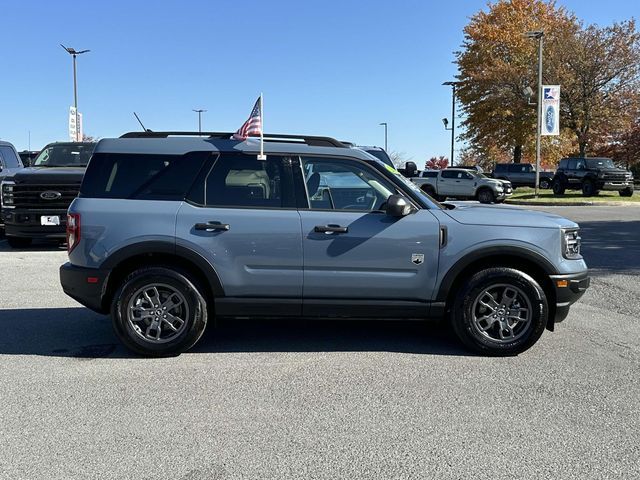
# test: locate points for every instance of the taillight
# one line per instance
(73, 230)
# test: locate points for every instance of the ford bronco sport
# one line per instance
(172, 230)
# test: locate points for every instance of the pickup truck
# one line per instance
(521, 175)
(462, 184)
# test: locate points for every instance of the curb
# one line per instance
(573, 204)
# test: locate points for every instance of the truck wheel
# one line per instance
(485, 195)
(627, 192)
(588, 188)
(544, 183)
(159, 311)
(499, 311)
(558, 187)
(19, 242)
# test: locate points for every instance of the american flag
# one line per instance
(253, 126)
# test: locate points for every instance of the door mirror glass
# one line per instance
(398, 206)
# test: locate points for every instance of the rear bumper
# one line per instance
(85, 285)
(568, 289)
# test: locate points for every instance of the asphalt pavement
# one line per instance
(293, 399)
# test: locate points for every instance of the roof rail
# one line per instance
(310, 140)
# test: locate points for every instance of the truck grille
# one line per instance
(31, 196)
(615, 177)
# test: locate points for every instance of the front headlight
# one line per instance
(571, 243)
(6, 197)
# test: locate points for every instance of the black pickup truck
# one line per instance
(35, 200)
(521, 175)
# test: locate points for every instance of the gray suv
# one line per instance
(170, 231)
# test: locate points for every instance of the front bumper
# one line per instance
(85, 285)
(568, 289)
(616, 186)
(27, 223)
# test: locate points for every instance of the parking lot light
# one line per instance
(74, 53)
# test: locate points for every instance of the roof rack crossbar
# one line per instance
(310, 140)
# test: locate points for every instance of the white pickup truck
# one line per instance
(463, 184)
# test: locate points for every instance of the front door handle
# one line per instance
(330, 229)
(211, 226)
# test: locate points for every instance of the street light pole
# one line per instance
(453, 116)
(199, 112)
(385, 136)
(538, 35)
(74, 54)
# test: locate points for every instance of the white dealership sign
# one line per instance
(551, 110)
(75, 131)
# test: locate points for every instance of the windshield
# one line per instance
(65, 155)
(600, 163)
(381, 155)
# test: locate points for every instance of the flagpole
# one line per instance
(262, 156)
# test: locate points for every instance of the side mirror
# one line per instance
(398, 206)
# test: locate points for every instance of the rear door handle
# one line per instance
(330, 229)
(212, 226)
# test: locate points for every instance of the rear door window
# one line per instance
(240, 180)
(141, 177)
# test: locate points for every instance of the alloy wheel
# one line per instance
(502, 313)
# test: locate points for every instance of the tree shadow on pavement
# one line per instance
(82, 334)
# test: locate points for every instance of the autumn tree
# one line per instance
(497, 62)
(437, 163)
(599, 72)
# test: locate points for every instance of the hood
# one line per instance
(46, 175)
(507, 217)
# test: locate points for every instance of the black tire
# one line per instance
(588, 188)
(627, 192)
(545, 183)
(467, 301)
(486, 195)
(19, 242)
(558, 187)
(195, 310)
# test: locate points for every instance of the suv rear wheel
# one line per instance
(500, 311)
(159, 311)
(589, 188)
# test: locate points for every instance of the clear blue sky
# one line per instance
(335, 68)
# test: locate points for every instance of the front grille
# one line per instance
(615, 177)
(28, 196)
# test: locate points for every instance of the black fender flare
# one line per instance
(151, 247)
(512, 251)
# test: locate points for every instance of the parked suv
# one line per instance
(591, 175)
(35, 199)
(168, 232)
(521, 175)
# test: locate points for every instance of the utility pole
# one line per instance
(539, 35)
(74, 54)
(199, 112)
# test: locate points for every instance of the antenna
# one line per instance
(140, 122)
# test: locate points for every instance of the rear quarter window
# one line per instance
(142, 177)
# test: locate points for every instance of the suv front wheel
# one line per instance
(500, 311)
(486, 195)
(159, 311)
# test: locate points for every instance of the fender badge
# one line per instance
(417, 258)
